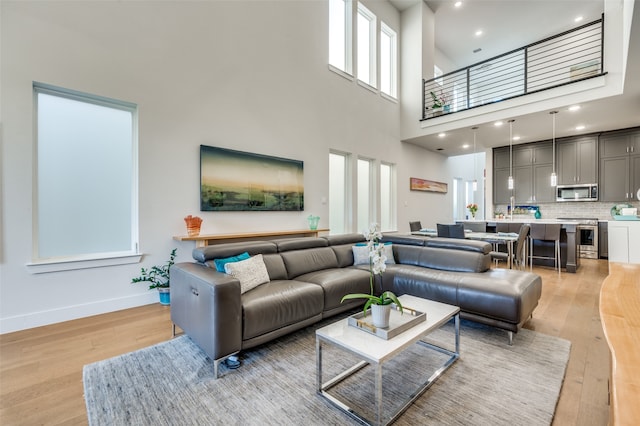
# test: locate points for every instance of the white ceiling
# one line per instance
(510, 24)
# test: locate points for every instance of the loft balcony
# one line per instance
(567, 58)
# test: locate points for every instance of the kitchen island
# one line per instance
(569, 239)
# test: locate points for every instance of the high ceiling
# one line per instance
(510, 24)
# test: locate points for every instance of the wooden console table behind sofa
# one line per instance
(207, 240)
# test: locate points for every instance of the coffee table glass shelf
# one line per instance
(374, 352)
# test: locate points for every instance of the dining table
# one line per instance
(495, 238)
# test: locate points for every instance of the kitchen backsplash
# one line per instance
(581, 209)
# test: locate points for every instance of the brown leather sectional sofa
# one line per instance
(309, 276)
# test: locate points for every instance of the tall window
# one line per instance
(388, 60)
(365, 198)
(86, 175)
(338, 190)
(366, 46)
(387, 198)
(340, 24)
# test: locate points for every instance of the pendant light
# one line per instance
(510, 181)
(554, 177)
(475, 178)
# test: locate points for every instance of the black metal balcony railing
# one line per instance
(565, 58)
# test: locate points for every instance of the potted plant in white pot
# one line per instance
(380, 305)
(159, 277)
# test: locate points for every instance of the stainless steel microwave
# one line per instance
(587, 192)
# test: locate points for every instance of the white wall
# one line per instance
(251, 76)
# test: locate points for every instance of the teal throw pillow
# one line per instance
(232, 259)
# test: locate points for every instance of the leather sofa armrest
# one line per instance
(206, 304)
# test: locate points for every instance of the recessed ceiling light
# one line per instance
(578, 19)
(478, 33)
(442, 135)
(580, 127)
(574, 107)
(465, 146)
(498, 123)
(516, 138)
(458, 4)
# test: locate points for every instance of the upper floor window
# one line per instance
(366, 46)
(86, 184)
(388, 60)
(340, 52)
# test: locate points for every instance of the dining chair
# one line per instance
(415, 226)
(450, 230)
(546, 232)
(519, 256)
(475, 226)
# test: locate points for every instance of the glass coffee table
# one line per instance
(376, 351)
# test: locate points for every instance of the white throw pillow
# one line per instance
(388, 251)
(361, 254)
(251, 272)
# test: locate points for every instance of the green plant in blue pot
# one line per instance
(159, 277)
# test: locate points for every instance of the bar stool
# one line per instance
(546, 232)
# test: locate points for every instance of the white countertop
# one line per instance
(525, 220)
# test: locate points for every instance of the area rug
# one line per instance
(172, 383)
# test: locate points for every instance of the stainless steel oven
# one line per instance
(587, 231)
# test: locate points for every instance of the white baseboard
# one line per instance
(38, 319)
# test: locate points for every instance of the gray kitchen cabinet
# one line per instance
(619, 166)
(533, 172)
(523, 184)
(501, 158)
(501, 192)
(532, 166)
(577, 160)
(532, 184)
(543, 192)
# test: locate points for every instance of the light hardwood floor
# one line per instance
(41, 369)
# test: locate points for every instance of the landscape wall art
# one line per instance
(240, 181)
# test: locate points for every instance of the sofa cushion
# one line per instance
(205, 254)
(337, 282)
(289, 244)
(459, 244)
(409, 240)
(300, 262)
(443, 259)
(251, 272)
(502, 294)
(277, 304)
(275, 266)
(441, 286)
(343, 239)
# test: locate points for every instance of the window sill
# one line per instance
(388, 97)
(367, 86)
(340, 72)
(81, 262)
